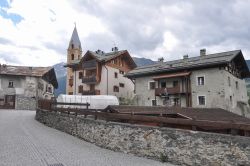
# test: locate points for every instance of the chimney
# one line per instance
(203, 52)
(185, 56)
(115, 49)
(161, 59)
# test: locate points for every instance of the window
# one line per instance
(237, 84)
(151, 85)
(175, 83)
(11, 84)
(201, 100)
(80, 75)
(48, 89)
(231, 99)
(121, 72)
(163, 84)
(229, 81)
(176, 101)
(72, 46)
(116, 89)
(116, 75)
(200, 80)
(154, 102)
(121, 85)
(70, 93)
(72, 56)
(80, 89)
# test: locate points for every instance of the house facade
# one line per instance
(98, 73)
(206, 81)
(21, 86)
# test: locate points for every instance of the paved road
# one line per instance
(26, 142)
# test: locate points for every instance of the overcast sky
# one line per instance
(37, 32)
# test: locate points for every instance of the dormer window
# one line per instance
(72, 56)
(72, 46)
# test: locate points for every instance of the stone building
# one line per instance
(209, 81)
(98, 73)
(21, 86)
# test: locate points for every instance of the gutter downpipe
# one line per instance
(107, 79)
(75, 82)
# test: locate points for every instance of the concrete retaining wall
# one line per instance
(172, 145)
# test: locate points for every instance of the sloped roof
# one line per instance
(209, 114)
(189, 63)
(102, 56)
(75, 39)
(30, 71)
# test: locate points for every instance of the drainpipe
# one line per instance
(107, 79)
(75, 82)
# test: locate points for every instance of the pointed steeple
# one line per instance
(75, 41)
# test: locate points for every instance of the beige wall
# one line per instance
(216, 91)
(26, 86)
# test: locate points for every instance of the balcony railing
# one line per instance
(91, 64)
(91, 92)
(89, 79)
(164, 91)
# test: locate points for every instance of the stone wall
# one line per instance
(176, 146)
(25, 103)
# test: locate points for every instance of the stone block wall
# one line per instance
(176, 146)
(25, 103)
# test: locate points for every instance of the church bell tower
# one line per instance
(74, 55)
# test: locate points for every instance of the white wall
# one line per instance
(125, 92)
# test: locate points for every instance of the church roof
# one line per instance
(75, 39)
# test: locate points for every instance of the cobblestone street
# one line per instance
(26, 142)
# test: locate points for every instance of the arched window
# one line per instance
(72, 46)
(72, 56)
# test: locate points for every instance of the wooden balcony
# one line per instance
(173, 90)
(88, 65)
(89, 92)
(89, 79)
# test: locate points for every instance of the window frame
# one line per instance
(237, 85)
(116, 75)
(152, 102)
(229, 81)
(149, 85)
(122, 85)
(11, 84)
(197, 80)
(176, 85)
(114, 87)
(198, 102)
(80, 75)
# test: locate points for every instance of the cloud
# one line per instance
(141, 26)
(5, 41)
(151, 29)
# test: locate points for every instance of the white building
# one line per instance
(208, 81)
(98, 73)
(21, 86)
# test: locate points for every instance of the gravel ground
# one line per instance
(26, 142)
